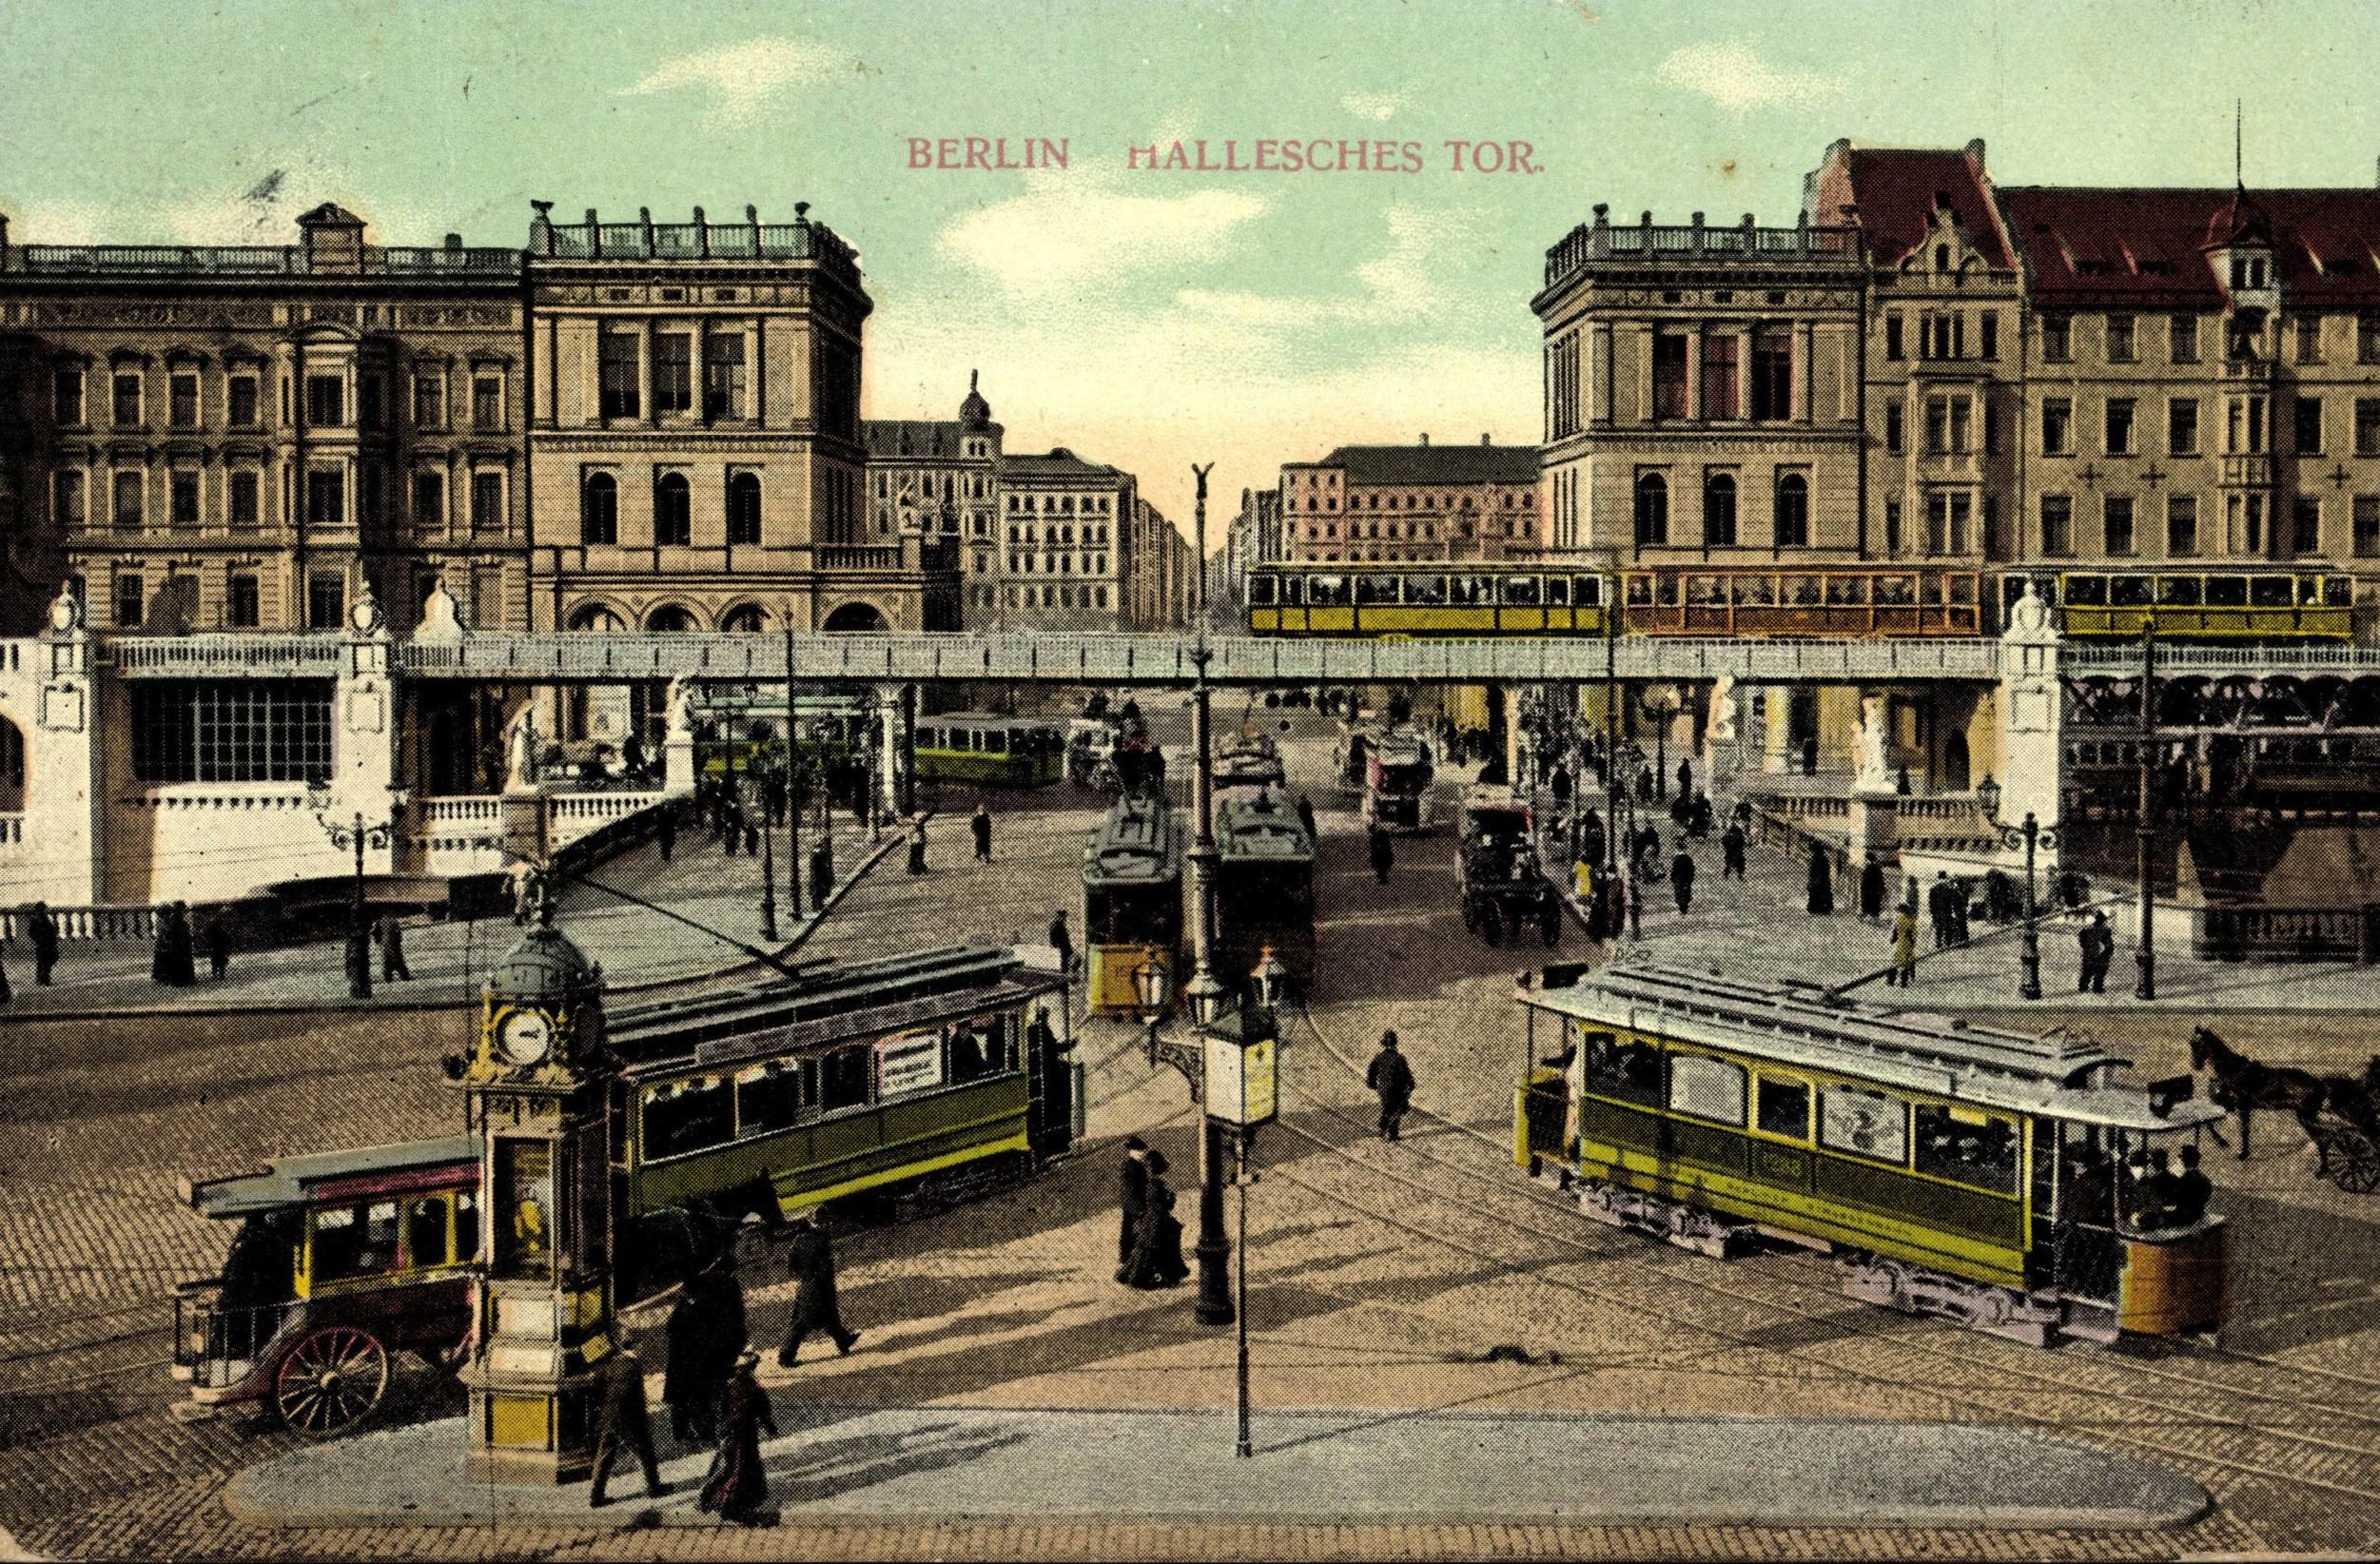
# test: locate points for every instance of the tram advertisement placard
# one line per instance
(911, 1062)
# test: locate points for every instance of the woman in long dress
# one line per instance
(738, 1484)
(1157, 1254)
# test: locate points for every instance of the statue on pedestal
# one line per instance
(1875, 776)
(520, 753)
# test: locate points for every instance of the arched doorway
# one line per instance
(856, 620)
(12, 767)
(1957, 772)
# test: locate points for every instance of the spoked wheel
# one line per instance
(2354, 1162)
(331, 1377)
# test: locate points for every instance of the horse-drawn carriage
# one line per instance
(2340, 1114)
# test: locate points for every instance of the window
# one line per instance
(2309, 339)
(2306, 528)
(1947, 513)
(131, 595)
(1668, 370)
(1722, 395)
(2115, 518)
(1793, 511)
(1561, 389)
(599, 509)
(325, 497)
(1893, 347)
(2366, 526)
(1967, 1146)
(2182, 525)
(770, 1096)
(2309, 415)
(1719, 511)
(743, 506)
(326, 401)
(1866, 1124)
(182, 499)
(130, 499)
(723, 375)
(2058, 525)
(1893, 437)
(1991, 427)
(673, 514)
(66, 395)
(369, 401)
(683, 1116)
(230, 730)
(429, 400)
(2182, 426)
(128, 408)
(1948, 429)
(2367, 338)
(2057, 426)
(429, 500)
(1652, 509)
(240, 397)
(1784, 1107)
(2247, 426)
(325, 601)
(2058, 343)
(487, 500)
(65, 499)
(1772, 374)
(487, 401)
(2368, 425)
(2181, 339)
(2119, 423)
(181, 400)
(672, 373)
(1630, 1071)
(241, 608)
(1943, 337)
(1707, 1088)
(2247, 521)
(1892, 526)
(1987, 329)
(619, 370)
(2122, 347)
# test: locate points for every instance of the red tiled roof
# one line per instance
(1898, 187)
(2091, 245)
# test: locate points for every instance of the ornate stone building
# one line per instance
(1384, 503)
(1067, 525)
(937, 480)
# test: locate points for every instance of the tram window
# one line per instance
(2177, 590)
(1586, 591)
(1756, 591)
(1960, 590)
(1426, 591)
(355, 1240)
(1895, 591)
(966, 1053)
(1521, 590)
(1867, 1124)
(2086, 591)
(2337, 590)
(999, 1052)
(466, 1226)
(1967, 1146)
(2130, 592)
(2269, 592)
(1784, 1107)
(1630, 1071)
(425, 1234)
(1293, 591)
(1375, 589)
(992, 741)
(1808, 592)
(1665, 591)
(1708, 1089)
(2227, 591)
(688, 1116)
(769, 1098)
(1260, 591)
(929, 738)
(1327, 590)
(1473, 591)
(1557, 592)
(1640, 591)
(1704, 591)
(843, 1081)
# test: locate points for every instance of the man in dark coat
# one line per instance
(665, 831)
(1938, 899)
(821, 875)
(1820, 897)
(1305, 817)
(42, 928)
(738, 1484)
(1731, 853)
(980, 823)
(1560, 784)
(391, 935)
(1132, 1197)
(731, 829)
(1682, 880)
(1383, 854)
(1872, 891)
(706, 1330)
(811, 1262)
(623, 1424)
(2098, 950)
(1062, 941)
(1392, 1079)
(218, 942)
(917, 846)
(1685, 779)
(1592, 840)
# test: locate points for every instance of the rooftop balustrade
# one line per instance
(1746, 242)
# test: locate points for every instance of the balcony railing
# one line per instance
(256, 259)
(1747, 241)
(701, 240)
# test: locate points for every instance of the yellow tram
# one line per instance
(1131, 902)
(2206, 605)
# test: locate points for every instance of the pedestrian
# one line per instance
(1685, 779)
(1872, 889)
(623, 1422)
(2098, 951)
(218, 943)
(1383, 854)
(1635, 905)
(1132, 1200)
(1560, 785)
(1645, 785)
(752, 839)
(917, 846)
(172, 962)
(1156, 1260)
(1305, 818)
(821, 875)
(665, 831)
(1392, 1079)
(1809, 758)
(1903, 947)
(1820, 898)
(1698, 819)
(1592, 839)
(1938, 897)
(1731, 853)
(633, 757)
(737, 1485)
(43, 929)
(1682, 880)
(390, 933)
(2192, 1190)
(980, 823)
(706, 1330)
(1062, 941)
(811, 1262)
(1958, 912)
(731, 829)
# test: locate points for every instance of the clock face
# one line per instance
(525, 1036)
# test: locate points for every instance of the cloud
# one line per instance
(1397, 286)
(1373, 105)
(258, 204)
(1066, 232)
(742, 78)
(1734, 75)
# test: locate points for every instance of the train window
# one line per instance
(1586, 591)
(466, 1226)
(767, 1097)
(1557, 592)
(1260, 591)
(2227, 591)
(1960, 590)
(1375, 589)
(1895, 591)
(1472, 591)
(2337, 590)
(2177, 590)
(1784, 1107)
(2130, 592)
(1665, 591)
(683, 1116)
(992, 741)
(1640, 591)
(2086, 591)
(1630, 1071)
(1521, 590)
(1810, 591)
(1326, 591)
(1756, 591)
(1852, 591)
(1704, 591)
(1866, 1124)
(2269, 591)
(425, 1234)
(843, 1079)
(1967, 1146)
(1708, 1089)
(1426, 591)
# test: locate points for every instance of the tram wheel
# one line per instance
(330, 1379)
(2354, 1162)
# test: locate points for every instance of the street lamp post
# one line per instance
(1661, 702)
(2146, 826)
(357, 834)
(1153, 985)
(2030, 832)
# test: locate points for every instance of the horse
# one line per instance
(2243, 1085)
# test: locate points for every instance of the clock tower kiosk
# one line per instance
(538, 1089)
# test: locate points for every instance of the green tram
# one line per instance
(2208, 603)
(983, 749)
(1977, 1174)
(1264, 886)
(1423, 601)
(917, 1077)
(1131, 902)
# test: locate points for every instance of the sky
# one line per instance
(1151, 318)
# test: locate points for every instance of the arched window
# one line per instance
(748, 621)
(1793, 511)
(599, 509)
(596, 620)
(673, 510)
(1719, 511)
(1652, 509)
(743, 506)
(671, 621)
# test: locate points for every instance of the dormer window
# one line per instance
(2249, 271)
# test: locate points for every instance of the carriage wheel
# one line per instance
(1492, 924)
(2354, 1162)
(329, 1379)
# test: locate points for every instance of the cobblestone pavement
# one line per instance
(1426, 1275)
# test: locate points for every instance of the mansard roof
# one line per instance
(891, 438)
(1898, 189)
(1435, 464)
(2105, 246)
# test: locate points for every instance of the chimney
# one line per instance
(1484, 441)
(1425, 437)
(1975, 156)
